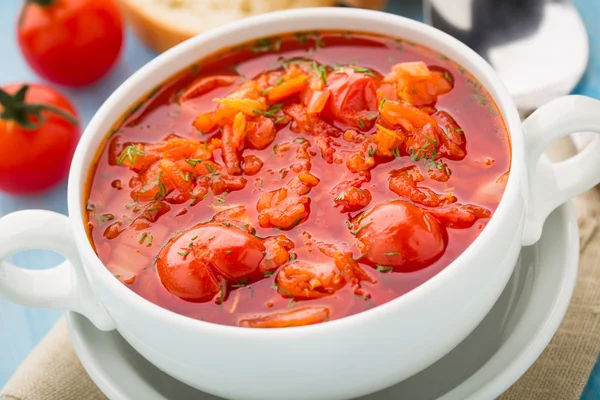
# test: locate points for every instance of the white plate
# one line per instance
(484, 365)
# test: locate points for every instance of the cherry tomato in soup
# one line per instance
(400, 235)
(70, 42)
(38, 135)
(195, 264)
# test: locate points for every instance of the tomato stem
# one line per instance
(41, 3)
(28, 115)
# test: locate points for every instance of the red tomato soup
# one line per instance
(297, 179)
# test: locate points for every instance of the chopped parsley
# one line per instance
(265, 45)
(241, 283)
(382, 102)
(304, 37)
(363, 70)
(360, 218)
(360, 257)
(271, 112)
(360, 228)
(142, 238)
(384, 268)
(103, 218)
(193, 161)
(221, 198)
(147, 237)
(185, 177)
(130, 153)
(372, 151)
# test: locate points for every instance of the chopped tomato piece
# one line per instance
(309, 123)
(150, 215)
(358, 161)
(454, 143)
(151, 185)
(326, 147)
(459, 215)
(404, 181)
(308, 178)
(277, 252)
(285, 215)
(230, 214)
(302, 280)
(351, 271)
(136, 156)
(277, 209)
(251, 164)
(353, 199)
(261, 132)
(353, 98)
(176, 177)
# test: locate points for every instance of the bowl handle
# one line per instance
(62, 287)
(552, 184)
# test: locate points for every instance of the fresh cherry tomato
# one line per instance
(70, 42)
(38, 135)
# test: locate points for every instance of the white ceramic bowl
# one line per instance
(344, 358)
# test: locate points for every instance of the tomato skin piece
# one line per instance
(71, 42)
(32, 161)
(400, 235)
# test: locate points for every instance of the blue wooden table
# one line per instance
(22, 328)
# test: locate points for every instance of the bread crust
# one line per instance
(160, 35)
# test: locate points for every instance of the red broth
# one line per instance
(334, 173)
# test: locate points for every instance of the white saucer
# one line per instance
(484, 365)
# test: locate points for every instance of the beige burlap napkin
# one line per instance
(53, 372)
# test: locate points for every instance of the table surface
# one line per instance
(22, 328)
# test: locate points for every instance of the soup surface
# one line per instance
(297, 179)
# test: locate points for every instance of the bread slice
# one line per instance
(162, 24)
